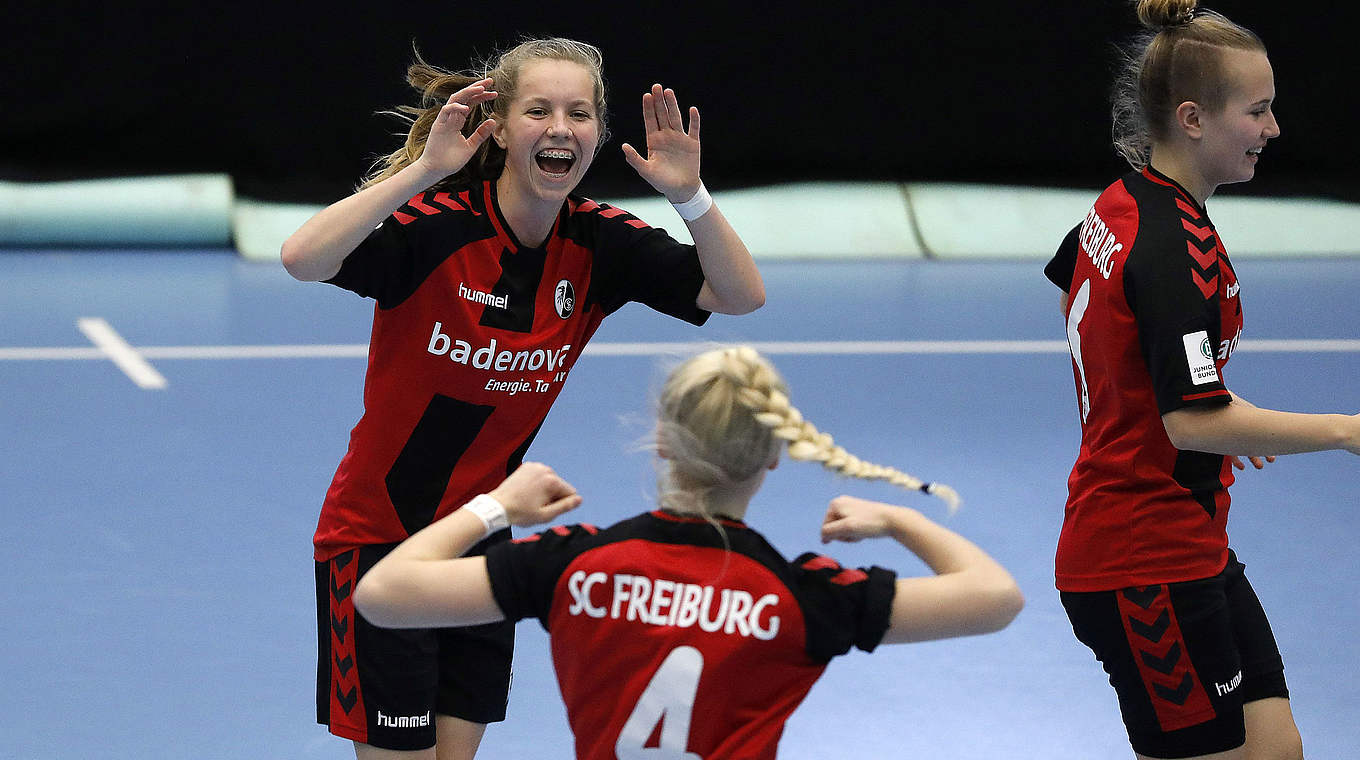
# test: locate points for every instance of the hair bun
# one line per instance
(1160, 14)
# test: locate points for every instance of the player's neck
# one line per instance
(709, 502)
(530, 217)
(1178, 163)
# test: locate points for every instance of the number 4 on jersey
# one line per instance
(1074, 315)
(669, 700)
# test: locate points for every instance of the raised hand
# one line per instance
(534, 494)
(849, 519)
(672, 162)
(447, 150)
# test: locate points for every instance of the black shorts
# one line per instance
(384, 686)
(1183, 658)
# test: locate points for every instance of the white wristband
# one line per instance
(695, 207)
(489, 511)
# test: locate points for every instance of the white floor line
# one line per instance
(360, 350)
(117, 350)
(297, 351)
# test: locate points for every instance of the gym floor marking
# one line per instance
(112, 345)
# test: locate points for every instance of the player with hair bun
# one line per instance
(685, 616)
(489, 275)
(1154, 312)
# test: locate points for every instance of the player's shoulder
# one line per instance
(586, 214)
(453, 207)
(1174, 234)
(560, 535)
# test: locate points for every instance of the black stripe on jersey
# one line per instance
(517, 456)
(521, 273)
(1199, 473)
(420, 476)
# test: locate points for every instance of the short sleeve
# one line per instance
(1178, 326)
(637, 262)
(1064, 262)
(524, 572)
(843, 607)
(399, 254)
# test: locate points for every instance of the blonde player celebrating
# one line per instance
(1154, 312)
(685, 616)
(490, 275)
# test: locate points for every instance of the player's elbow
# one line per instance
(1009, 604)
(295, 260)
(752, 300)
(737, 302)
(374, 598)
(1001, 603)
(305, 261)
(294, 257)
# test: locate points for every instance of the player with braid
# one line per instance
(686, 616)
(772, 409)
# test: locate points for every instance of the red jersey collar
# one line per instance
(670, 516)
(1153, 175)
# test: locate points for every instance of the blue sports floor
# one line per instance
(156, 543)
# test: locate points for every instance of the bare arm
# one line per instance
(970, 593)
(320, 245)
(732, 283)
(426, 582)
(1239, 428)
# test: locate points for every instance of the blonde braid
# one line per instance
(771, 407)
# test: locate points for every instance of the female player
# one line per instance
(1153, 314)
(489, 277)
(685, 616)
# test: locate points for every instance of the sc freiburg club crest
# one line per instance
(564, 298)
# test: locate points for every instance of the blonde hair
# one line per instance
(435, 85)
(1178, 58)
(723, 416)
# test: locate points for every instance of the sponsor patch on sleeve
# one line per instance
(1199, 354)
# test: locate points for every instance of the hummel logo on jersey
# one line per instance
(564, 298)
(1233, 683)
(485, 299)
(403, 721)
(487, 357)
(1232, 290)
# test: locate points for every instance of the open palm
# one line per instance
(672, 162)
(447, 150)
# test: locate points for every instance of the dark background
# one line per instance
(284, 96)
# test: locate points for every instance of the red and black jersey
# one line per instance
(664, 637)
(473, 336)
(1153, 315)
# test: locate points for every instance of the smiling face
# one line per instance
(549, 133)
(1234, 135)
